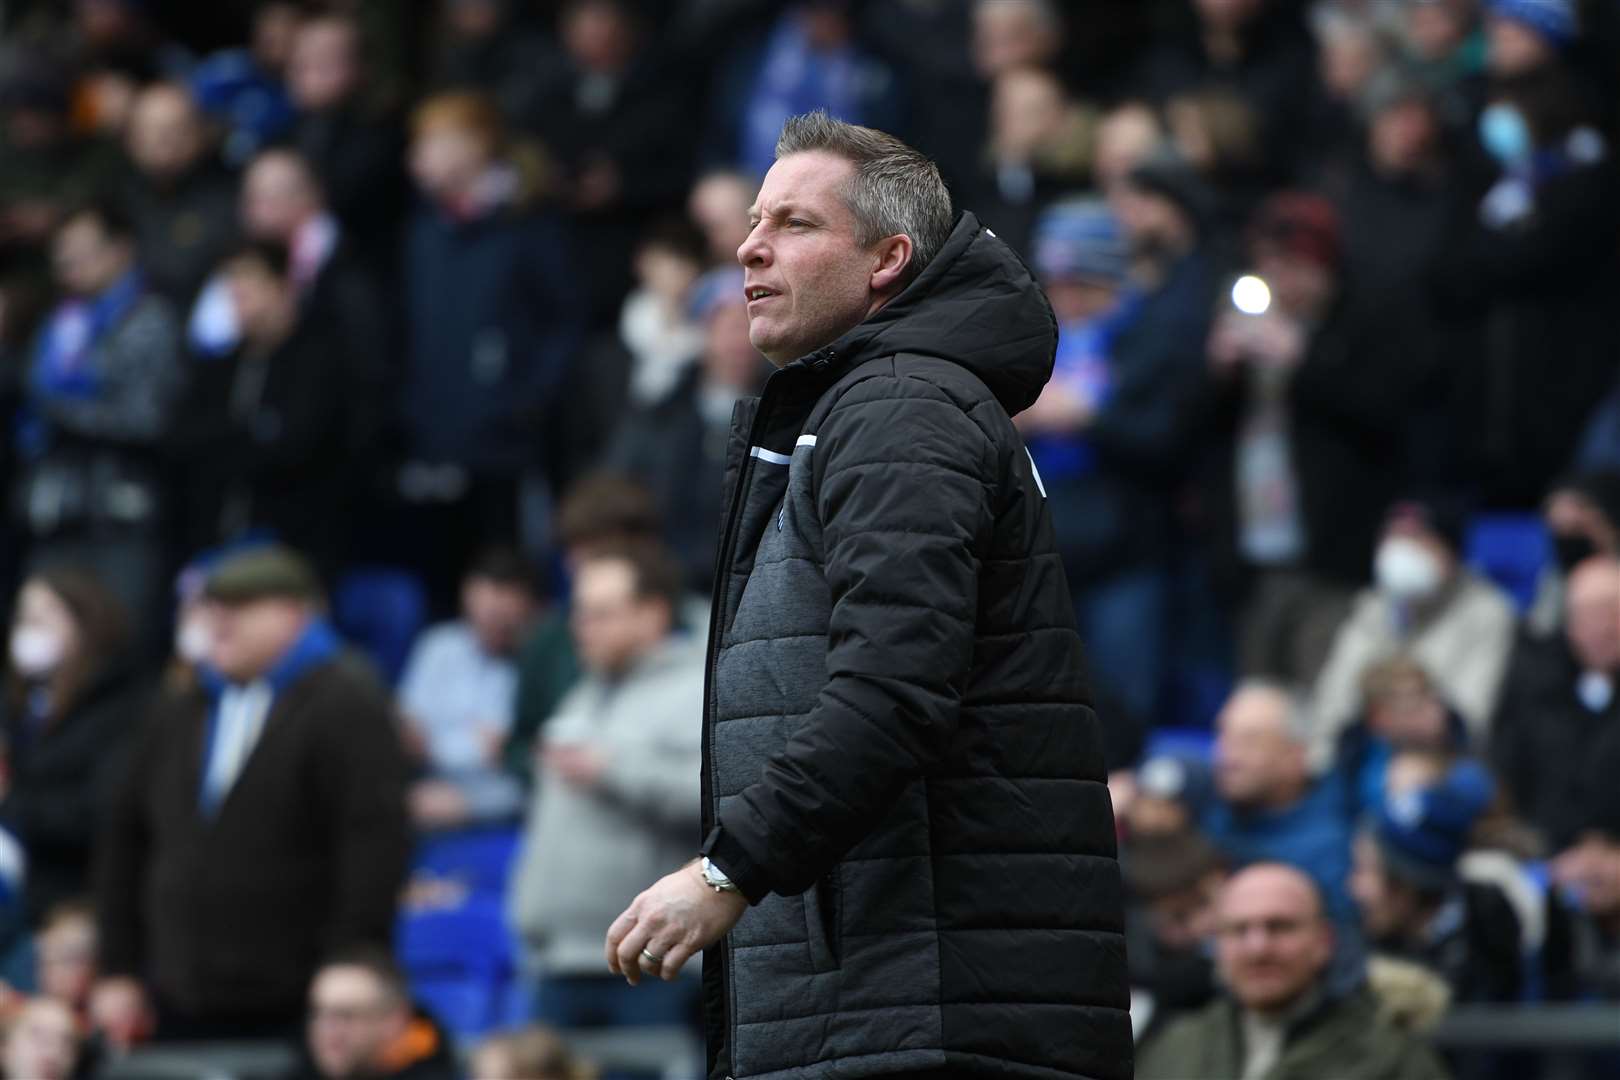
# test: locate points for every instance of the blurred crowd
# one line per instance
(366, 371)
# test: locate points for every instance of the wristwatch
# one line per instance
(715, 878)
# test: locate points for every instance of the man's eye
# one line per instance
(795, 223)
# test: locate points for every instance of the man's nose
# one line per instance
(753, 251)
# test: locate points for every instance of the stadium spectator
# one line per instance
(100, 389)
(42, 1042)
(65, 956)
(656, 323)
(604, 510)
(1168, 795)
(719, 205)
(1128, 135)
(1351, 51)
(244, 90)
(262, 432)
(72, 696)
(1528, 35)
(48, 168)
(1267, 806)
(225, 876)
(1281, 1011)
(1413, 902)
(1527, 274)
(1175, 882)
(1009, 35)
(353, 143)
(493, 323)
(180, 198)
(1107, 433)
(1038, 147)
(1402, 711)
(530, 1053)
(458, 693)
(1582, 516)
(362, 1024)
(1307, 386)
(807, 59)
(487, 46)
(1560, 697)
(282, 203)
(677, 448)
(618, 125)
(1590, 871)
(1426, 604)
(617, 797)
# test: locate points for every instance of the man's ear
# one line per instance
(894, 256)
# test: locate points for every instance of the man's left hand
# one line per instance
(676, 918)
(578, 764)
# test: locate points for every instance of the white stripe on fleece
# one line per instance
(806, 440)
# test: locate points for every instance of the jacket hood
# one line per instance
(976, 304)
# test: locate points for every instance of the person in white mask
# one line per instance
(69, 707)
(1426, 604)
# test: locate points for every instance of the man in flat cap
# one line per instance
(261, 825)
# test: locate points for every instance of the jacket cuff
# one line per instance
(732, 860)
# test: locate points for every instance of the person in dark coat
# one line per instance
(362, 1023)
(1305, 413)
(260, 828)
(1560, 698)
(181, 199)
(70, 710)
(894, 670)
(494, 320)
(264, 431)
(355, 145)
(1525, 290)
(1413, 903)
(677, 448)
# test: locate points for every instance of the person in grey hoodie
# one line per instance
(617, 790)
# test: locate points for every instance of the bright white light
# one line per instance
(1251, 296)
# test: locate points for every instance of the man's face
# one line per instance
(1026, 111)
(1402, 136)
(446, 160)
(1515, 49)
(44, 1043)
(1226, 14)
(1273, 942)
(325, 68)
(67, 961)
(276, 198)
(250, 637)
(165, 133)
(613, 628)
(719, 205)
(1255, 757)
(86, 260)
(1009, 34)
(1592, 614)
(498, 612)
(263, 302)
(1436, 30)
(802, 250)
(351, 1020)
(729, 357)
(1302, 286)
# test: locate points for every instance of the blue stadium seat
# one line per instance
(460, 963)
(464, 1006)
(381, 609)
(480, 858)
(1193, 743)
(1510, 549)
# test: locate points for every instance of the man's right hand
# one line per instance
(120, 1011)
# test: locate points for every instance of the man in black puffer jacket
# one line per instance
(909, 838)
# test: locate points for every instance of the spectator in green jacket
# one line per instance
(1281, 1015)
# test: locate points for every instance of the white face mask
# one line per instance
(1406, 570)
(192, 641)
(35, 651)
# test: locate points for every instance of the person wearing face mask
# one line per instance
(1524, 290)
(1582, 517)
(1560, 696)
(70, 703)
(1426, 604)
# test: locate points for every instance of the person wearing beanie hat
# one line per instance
(1110, 408)
(1526, 35)
(1426, 604)
(1414, 904)
(277, 778)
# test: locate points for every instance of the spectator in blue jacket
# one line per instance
(1267, 805)
(492, 324)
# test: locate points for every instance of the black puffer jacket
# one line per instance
(900, 764)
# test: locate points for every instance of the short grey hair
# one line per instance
(895, 189)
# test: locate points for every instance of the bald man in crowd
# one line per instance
(1268, 805)
(1282, 1012)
